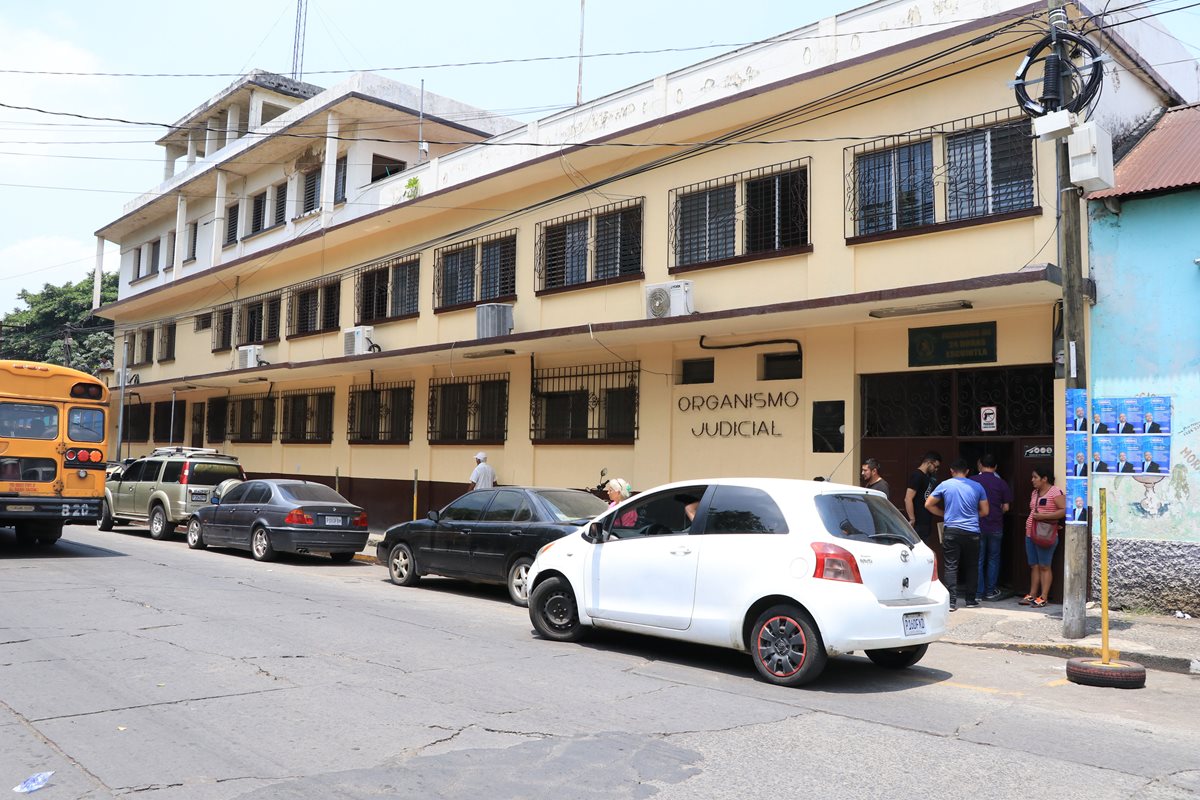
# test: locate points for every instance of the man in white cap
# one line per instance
(483, 476)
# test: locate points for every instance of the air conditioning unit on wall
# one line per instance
(249, 356)
(493, 319)
(672, 299)
(359, 340)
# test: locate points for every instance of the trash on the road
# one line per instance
(120, 727)
(1182, 615)
(33, 782)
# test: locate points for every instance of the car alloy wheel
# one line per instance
(195, 535)
(160, 528)
(260, 545)
(553, 611)
(402, 567)
(518, 577)
(786, 646)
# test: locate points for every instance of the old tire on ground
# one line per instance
(260, 545)
(1091, 671)
(195, 534)
(518, 575)
(786, 646)
(160, 526)
(106, 519)
(402, 566)
(342, 558)
(553, 611)
(898, 657)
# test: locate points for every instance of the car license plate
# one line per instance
(333, 521)
(198, 495)
(914, 624)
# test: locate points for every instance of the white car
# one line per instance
(790, 571)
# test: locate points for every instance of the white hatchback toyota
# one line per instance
(791, 571)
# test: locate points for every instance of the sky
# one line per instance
(62, 178)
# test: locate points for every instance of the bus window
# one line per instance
(85, 425)
(28, 421)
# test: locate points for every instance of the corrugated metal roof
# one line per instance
(1167, 158)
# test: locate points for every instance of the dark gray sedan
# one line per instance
(271, 516)
(488, 535)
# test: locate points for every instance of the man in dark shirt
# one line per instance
(991, 527)
(872, 479)
(920, 485)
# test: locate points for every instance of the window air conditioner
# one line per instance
(359, 341)
(493, 319)
(672, 299)
(249, 356)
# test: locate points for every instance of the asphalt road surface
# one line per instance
(130, 666)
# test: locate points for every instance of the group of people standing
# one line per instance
(972, 508)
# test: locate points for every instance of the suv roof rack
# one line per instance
(207, 452)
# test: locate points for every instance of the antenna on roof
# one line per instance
(579, 83)
(298, 41)
(422, 145)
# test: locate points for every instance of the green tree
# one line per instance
(59, 318)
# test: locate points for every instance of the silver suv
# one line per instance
(165, 488)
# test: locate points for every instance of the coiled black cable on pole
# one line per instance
(1050, 99)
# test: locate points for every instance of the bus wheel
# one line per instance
(49, 533)
(106, 519)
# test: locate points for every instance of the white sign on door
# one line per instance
(988, 419)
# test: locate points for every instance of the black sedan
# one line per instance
(271, 516)
(488, 535)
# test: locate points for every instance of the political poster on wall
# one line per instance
(1077, 500)
(1126, 415)
(1077, 419)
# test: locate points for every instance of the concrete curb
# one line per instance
(1164, 663)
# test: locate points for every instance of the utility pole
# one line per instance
(1070, 259)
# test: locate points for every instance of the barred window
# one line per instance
(203, 321)
(382, 412)
(222, 328)
(258, 212)
(232, 214)
(216, 419)
(472, 409)
(476, 271)
(986, 167)
(170, 250)
(280, 203)
(596, 403)
(166, 341)
(339, 180)
(258, 319)
(772, 202)
(168, 428)
(137, 422)
(311, 199)
(372, 294)
(307, 415)
(315, 307)
(252, 418)
(145, 346)
(590, 246)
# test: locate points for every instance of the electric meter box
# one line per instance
(1090, 151)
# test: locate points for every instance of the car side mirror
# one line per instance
(435, 516)
(594, 533)
(215, 499)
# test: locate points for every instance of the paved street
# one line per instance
(134, 666)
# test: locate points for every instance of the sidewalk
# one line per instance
(1155, 642)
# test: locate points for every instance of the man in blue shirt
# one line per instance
(961, 502)
(991, 527)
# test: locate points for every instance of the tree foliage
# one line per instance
(58, 319)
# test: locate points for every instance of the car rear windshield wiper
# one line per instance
(899, 537)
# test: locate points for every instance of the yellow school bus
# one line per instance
(53, 448)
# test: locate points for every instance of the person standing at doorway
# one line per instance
(1047, 506)
(961, 502)
(991, 527)
(920, 485)
(872, 479)
(483, 476)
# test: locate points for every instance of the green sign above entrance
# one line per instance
(952, 344)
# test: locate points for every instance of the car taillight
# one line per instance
(97, 456)
(835, 563)
(183, 476)
(297, 517)
(360, 521)
(71, 455)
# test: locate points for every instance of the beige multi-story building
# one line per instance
(835, 244)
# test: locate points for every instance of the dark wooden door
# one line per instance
(197, 425)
